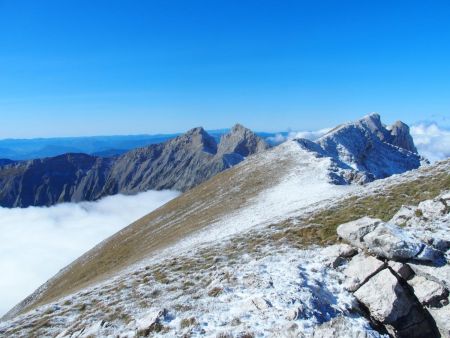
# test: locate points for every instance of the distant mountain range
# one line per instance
(179, 163)
(104, 146)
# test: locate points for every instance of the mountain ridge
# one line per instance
(178, 163)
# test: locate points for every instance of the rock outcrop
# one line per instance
(402, 272)
(180, 163)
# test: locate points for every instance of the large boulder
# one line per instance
(355, 231)
(390, 304)
(385, 240)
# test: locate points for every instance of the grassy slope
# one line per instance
(177, 219)
(209, 201)
(320, 228)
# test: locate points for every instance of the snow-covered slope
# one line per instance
(214, 262)
(370, 147)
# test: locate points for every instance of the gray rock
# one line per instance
(355, 231)
(441, 316)
(385, 298)
(385, 240)
(360, 269)
(405, 213)
(390, 304)
(431, 209)
(400, 136)
(392, 243)
(438, 274)
(241, 140)
(427, 291)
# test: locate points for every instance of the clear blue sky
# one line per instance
(123, 67)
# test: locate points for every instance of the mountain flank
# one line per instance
(180, 163)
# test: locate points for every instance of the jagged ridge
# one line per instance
(180, 164)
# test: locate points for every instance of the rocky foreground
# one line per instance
(401, 273)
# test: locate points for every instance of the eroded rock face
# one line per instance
(400, 136)
(241, 140)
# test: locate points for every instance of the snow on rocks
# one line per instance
(408, 291)
(428, 221)
(284, 292)
(384, 240)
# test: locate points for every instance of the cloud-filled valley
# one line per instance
(432, 141)
(38, 241)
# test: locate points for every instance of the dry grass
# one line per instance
(177, 219)
(320, 228)
(205, 204)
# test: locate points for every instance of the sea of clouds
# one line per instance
(36, 242)
(432, 141)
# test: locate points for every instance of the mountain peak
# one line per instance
(401, 137)
(242, 141)
(369, 146)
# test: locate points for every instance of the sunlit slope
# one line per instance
(227, 192)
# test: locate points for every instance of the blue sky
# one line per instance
(71, 68)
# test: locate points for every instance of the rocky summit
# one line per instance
(180, 164)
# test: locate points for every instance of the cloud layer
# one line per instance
(431, 141)
(37, 242)
(310, 135)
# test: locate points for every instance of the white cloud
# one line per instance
(37, 242)
(310, 135)
(431, 141)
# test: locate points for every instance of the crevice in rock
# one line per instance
(428, 319)
(381, 268)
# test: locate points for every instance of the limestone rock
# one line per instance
(385, 298)
(442, 319)
(391, 304)
(438, 274)
(355, 231)
(360, 269)
(392, 243)
(427, 291)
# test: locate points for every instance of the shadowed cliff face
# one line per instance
(180, 164)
